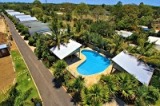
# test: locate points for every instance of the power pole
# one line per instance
(46, 1)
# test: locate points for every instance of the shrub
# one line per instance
(13, 93)
(68, 17)
(26, 36)
(88, 21)
(146, 96)
(103, 28)
(46, 63)
(36, 101)
(32, 41)
(51, 59)
(24, 30)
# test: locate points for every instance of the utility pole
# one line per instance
(46, 1)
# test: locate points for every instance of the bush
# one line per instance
(68, 17)
(24, 30)
(32, 41)
(36, 101)
(26, 36)
(13, 93)
(20, 26)
(20, 30)
(103, 28)
(51, 59)
(88, 21)
(46, 63)
(78, 26)
(67, 77)
(23, 97)
(75, 19)
(146, 95)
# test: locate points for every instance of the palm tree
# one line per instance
(117, 44)
(81, 9)
(127, 85)
(95, 96)
(98, 11)
(58, 36)
(146, 96)
(86, 36)
(146, 53)
(153, 60)
(145, 48)
(111, 82)
(59, 69)
(78, 84)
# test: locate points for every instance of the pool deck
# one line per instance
(89, 79)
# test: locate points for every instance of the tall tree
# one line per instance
(116, 10)
(82, 9)
(97, 11)
(37, 9)
(59, 36)
(103, 28)
(145, 14)
(37, 3)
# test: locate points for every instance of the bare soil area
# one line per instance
(3, 31)
(3, 38)
(2, 25)
(7, 73)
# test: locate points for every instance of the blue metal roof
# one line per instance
(39, 29)
(3, 46)
(35, 24)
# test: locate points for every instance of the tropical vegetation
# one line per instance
(95, 26)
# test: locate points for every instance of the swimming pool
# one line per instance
(94, 63)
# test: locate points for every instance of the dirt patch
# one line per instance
(3, 31)
(3, 38)
(7, 73)
(13, 46)
(2, 25)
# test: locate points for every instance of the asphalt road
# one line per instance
(51, 96)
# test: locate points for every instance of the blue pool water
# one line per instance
(94, 63)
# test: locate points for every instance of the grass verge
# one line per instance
(25, 87)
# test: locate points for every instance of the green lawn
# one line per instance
(25, 85)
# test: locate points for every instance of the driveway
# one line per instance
(51, 96)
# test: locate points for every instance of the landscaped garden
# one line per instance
(95, 27)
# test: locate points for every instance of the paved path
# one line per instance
(51, 96)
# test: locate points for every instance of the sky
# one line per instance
(107, 2)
